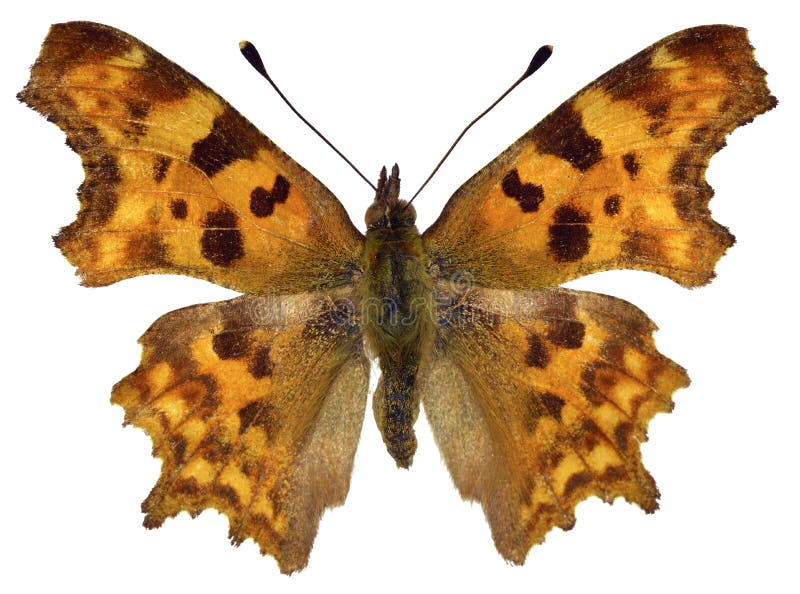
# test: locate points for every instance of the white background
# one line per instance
(396, 82)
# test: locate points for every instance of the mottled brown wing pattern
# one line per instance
(615, 177)
(255, 407)
(538, 396)
(539, 400)
(177, 181)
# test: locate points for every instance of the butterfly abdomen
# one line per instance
(396, 315)
(397, 322)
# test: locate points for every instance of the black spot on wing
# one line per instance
(231, 138)
(631, 164)
(567, 334)
(569, 234)
(562, 134)
(262, 414)
(231, 343)
(261, 365)
(529, 196)
(612, 205)
(536, 355)
(221, 243)
(263, 201)
(160, 166)
(179, 208)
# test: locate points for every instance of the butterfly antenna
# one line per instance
(251, 54)
(539, 58)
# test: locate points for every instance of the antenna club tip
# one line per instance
(243, 45)
(539, 58)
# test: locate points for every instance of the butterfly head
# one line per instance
(388, 211)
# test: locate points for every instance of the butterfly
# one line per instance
(538, 396)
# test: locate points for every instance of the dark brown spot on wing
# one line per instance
(635, 81)
(147, 247)
(216, 450)
(227, 493)
(528, 196)
(231, 138)
(91, 42)
(261, 366)
(539, 405)
(221, 242)
(687, 169)
(553, 405)
(262, 414)
(576, 481)
(537, 355)
(160, 166)
(613, 474)
(622, 433)
(612, 205)
(566, 333)
(139, 110)
(589, 379)
(643, 246)
(186, 486)
(231, 343)
(136, 127)
(569, 235)
(97, 192)
(178, 208)
(263, 201)
(178, 447)
(691, 204)
(631, 164)
(562, 134)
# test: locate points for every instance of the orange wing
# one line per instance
(613, 178)
(177, 181)
(539, 399)
(255, 406)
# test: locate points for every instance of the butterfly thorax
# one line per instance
(395, 309)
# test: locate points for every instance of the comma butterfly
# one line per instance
(538, 396)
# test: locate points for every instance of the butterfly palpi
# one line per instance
(538, 396)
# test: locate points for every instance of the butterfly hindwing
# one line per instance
(254, 406)
(540, 399)
(613, 178)
(177, 181)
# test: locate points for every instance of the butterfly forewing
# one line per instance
(615, 177)
(177, 181)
